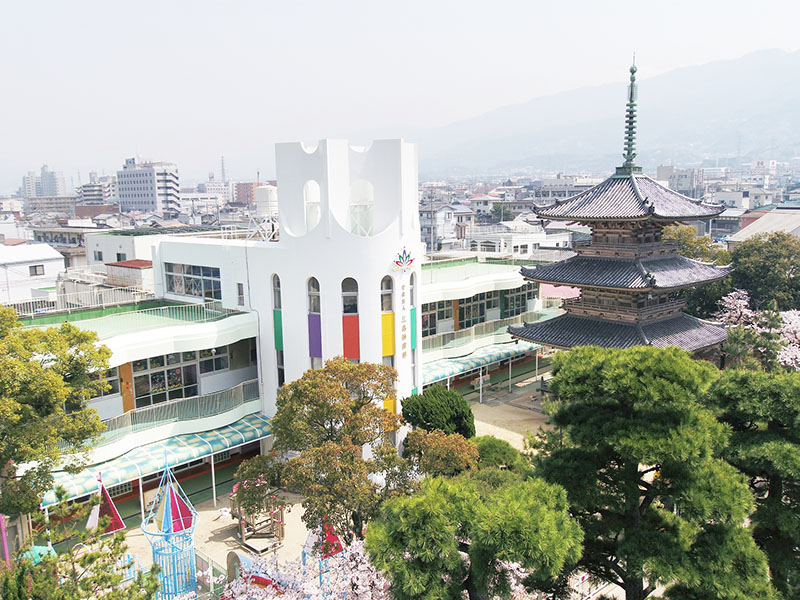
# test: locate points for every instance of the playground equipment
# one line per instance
(169, 527)
(264, 531)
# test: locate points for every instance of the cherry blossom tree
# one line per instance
(770, 336)
(349, 575)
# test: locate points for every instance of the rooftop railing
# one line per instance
(151, 318)
(98, 297)
(174, 411)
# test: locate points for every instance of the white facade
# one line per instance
(149, 186)
(25, 268)
(344, 213)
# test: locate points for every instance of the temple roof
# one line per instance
(663, 272)
(568, 331)
(629, 196)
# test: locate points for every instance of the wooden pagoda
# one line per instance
(628, 276)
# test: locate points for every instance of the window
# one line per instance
(98, 256)
(516, 301)
(472, 311)
(389, 360)
(111, 377)
(213, 359)
(193, 280)
(281, 375)
(312, 204)
(120, 489)
(161, 378)
(276, 292)
(36, 270)
(313, 296)
(349, 296)
(412, 289)
(316, 362)
(240, 293)
(121, 256)
(386, 294)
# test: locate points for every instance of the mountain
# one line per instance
(747, 107)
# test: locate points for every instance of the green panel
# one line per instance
(414, 391)
(502, 304)
(413, 327)
(277, 323)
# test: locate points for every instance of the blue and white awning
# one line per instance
(152, 458)
(439, 370)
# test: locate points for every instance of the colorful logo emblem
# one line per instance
(404, 261)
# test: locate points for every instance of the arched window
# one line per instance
(413, 289)
(386, 294)
(313, 296)
(276, 292)
(360, 214)
(312, 204)
(350, 296)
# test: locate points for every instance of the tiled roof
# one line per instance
(628, 197)
(568, 331)
(669, 272)
(134, 263)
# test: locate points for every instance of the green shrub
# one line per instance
(496, 453)
(440, 408)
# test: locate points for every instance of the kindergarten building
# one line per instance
(197, 359)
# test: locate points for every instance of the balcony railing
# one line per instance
(646, 311)
(174, 411)
(464, 337)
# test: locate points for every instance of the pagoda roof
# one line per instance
(629, 197)
(663, 272)
(568, 331)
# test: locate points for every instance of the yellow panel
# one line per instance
(389, 405)
(387, 329)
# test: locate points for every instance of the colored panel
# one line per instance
(455, 315)
(414, 391)
(277, 325)
(351, 347)
(314, 335)
(387, 333)
(413, 327)
(390, 404)
(126, 387)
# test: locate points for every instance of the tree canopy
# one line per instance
(46, 380)
(457, 535)
(638, 455)
(763, 409)
(694, 246)
(329, 415)
(767, 266)
(440, 408)
(440, 454)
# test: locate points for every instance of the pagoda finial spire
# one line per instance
(630, 126)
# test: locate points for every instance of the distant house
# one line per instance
(780, 219)
(27, 271)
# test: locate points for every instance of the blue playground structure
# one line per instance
(169, 527)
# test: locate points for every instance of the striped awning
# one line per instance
(152, 458)
(439, 370)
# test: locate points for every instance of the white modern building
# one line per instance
(148, 186)
(28, 271)
(99, 190)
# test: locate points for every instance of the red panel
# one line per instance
(352, 348)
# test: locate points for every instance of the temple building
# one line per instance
(629, 277)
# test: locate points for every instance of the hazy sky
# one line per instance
(86, 84)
